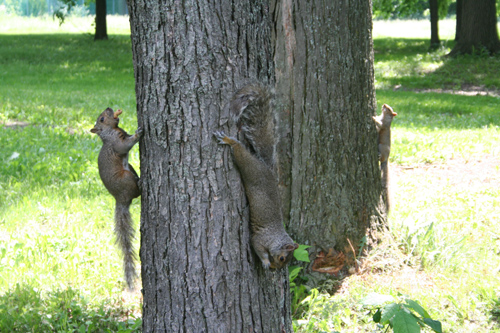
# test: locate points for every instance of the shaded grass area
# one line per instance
(64, 79)
(409, 64)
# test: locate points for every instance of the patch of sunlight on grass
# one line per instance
(413, 29)
(13, 24)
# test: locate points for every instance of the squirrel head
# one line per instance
(279, 258)
(107, 119)
(387, 110)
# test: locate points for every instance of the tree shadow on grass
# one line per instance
(409, 64)
(430, 90)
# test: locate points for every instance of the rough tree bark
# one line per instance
(329, 161)
(101, 32)
(434, 9)
(478, 30)
(198, 271)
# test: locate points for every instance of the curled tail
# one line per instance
(250, 107)
(124, 231)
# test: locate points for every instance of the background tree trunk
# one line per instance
(324, 71)
(198, 271)
(459, 19)
(101, 32)
(434, 9)
(478, 29)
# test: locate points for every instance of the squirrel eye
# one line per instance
(102, 119)
(282, 259)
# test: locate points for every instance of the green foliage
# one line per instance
(384, 9)
(26, 309)
(26, 7)
(299, 291)
(318, 319)
(402, 314)
(301, 253)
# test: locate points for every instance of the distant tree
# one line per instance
(478, 28)
(459, 20)
(411, 8)
(101, 32)
(434, 9)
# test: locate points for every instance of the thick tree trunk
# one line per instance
(478, 31)
(199, 273)
(459, 19)
(434, 8)
(101, 32)
(331, 179)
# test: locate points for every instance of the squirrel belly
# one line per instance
(383, 126)
(121, 181)
(252, 114)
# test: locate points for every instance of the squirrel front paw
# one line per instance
(266, 264)
(138, 132)
(219, 135)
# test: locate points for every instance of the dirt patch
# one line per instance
(481, 171)
(14, 124)
(465, 90)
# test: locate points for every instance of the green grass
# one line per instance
(55, 215)
(60, 269)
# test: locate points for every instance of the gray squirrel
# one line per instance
(252, 113)
(383, 125)
(121, 180)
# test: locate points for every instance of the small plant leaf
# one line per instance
(418, 308)
(405, 322)
(375, 299)
(293, 272)
(301, 253)
(389, 312)
(434, 324)
(377, 316)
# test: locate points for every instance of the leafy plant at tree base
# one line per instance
(402, 314)
(299, 292)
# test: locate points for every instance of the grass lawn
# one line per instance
(60, 269)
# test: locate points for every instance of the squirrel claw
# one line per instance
(219, 135)
(266, 264)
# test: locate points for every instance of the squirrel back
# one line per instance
(251, 111)
(121, 181)
(252, 114)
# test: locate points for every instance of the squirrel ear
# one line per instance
(93, 130)
(296, 246)
(291, 247)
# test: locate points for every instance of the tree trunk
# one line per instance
(434, 8)
(101, 32)
(199, 273)
(331, 180)
(478, 31)
(459, 19)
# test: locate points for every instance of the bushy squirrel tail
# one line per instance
(124, 231)
(250, 108)
(384, 166)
